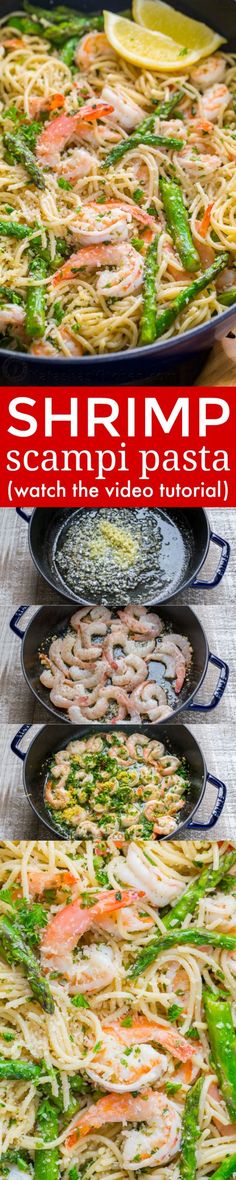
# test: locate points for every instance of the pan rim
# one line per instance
(148, 602)
(87, 729)
(176, 712)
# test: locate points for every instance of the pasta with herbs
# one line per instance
(100, 164)
(117, 995)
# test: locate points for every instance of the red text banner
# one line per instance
(117, 446)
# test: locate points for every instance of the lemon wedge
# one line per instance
(147, 49)
(158, 17)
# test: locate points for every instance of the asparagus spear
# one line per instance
(148, 318)
(36, 300)
(228, 297)
(177, 221)
(13, 229)
(190, 1132)
(28, 27)
(206, 882)
(55, 15)
(22, 154)
(166, 318)
(226, 1169)
(164, 109)
(14, 949)
(47, 1159)
(191, 937)
(76, 26)
(145, 137)
(19, 1070)
(68, 51)
(222, 1039)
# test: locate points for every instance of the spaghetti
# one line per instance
(116, 1035)
(75, 283)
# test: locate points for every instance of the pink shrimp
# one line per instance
(91, 47)
(142, 1030)
(39, 880)
(59, 132)
(69, 924)
(109, 223)
(158, 1144)
(121, 282)
(214, 101)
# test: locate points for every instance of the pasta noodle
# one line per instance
(73, 1038)
(98, 309)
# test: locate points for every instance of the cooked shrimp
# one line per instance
(94, 970)
(108, 223)
(139, 620)
(210, 71)
(127, 922)
(11, 315)
(141, 1031)
(125, 110)
(127, 277)
(59, 132)
(41, 879)
(138, 872)
(194, 159)
(92, 46)
(69, 924)
(155, 1145)
(120, 1073)
(214, 102)
(154, 752)
(135, 745)
(77, 164)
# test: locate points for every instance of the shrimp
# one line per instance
(210, 71)
(138, 872)
(138, 619)
(69, 924)
(141, 1031)
(156, 1145)
(126, 279)
(94, 971)
(130, 672)
(13, 315)
(77, 164)
(126, 111)
(120, 1073)
(59, 132)
(136, 744)
(109, 223)
(154, 752)
(175, 667)
(214, 102)
(41, 879)
(126, 923)
(197, 162)
(149, 698)
(91, 47)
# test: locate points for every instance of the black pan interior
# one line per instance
(54, 621)
(186, 530)
(51, 738)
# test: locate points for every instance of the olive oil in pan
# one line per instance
(121, 555)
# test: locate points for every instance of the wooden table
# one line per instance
(218, 370)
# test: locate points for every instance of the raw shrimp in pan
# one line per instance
(103, 661)
(156, 1143)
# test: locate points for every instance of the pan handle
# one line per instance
(220, 802)
(15, 620)
(25, 515)
(15, 744)
(220, 687)
(202, 583)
